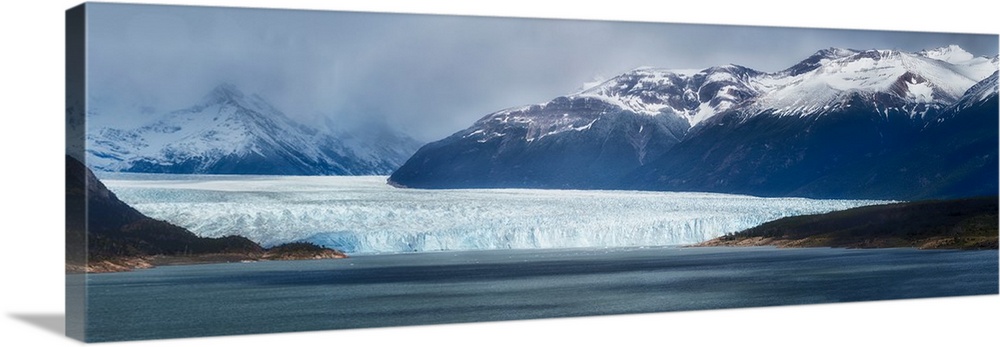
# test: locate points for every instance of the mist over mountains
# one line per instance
(229, 132)
(841, 123)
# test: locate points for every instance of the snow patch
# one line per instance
(920, 92)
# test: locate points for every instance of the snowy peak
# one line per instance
(732, 70)
(835, 53)
(951, 54)
(227, 94)
(675, 95)
(639, 80)
(563, 114)
(880, 70)
(818, 59)
(645, 90)
(975, 68)
(228, 132)
(224, 125)
(693, 95)
(224, 114)
(913, 80)
(224, 92)
(874, 54)
(817, 84)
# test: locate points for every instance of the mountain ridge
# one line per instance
(229, 132)
(837, 107)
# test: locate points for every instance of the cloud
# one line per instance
(428, 75)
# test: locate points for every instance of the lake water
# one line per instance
(471, 286)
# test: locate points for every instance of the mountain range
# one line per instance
(840, 123)
(229, 132)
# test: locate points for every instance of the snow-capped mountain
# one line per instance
(692, 95)
(964, 62)
(864, 125)
(817, 84)
(904, 80)
(566, 143)
(725, 129)
(228, 132)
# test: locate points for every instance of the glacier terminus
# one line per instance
(363, 215)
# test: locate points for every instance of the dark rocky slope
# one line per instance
(105, 234)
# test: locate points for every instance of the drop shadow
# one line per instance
(52, 322)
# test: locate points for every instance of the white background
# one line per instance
(31, 131)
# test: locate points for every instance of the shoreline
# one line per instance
(126, 264)
(148, 262)
(939, 243)
(969, 223)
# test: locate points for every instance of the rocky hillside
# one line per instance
(963, 224)
(104, 234)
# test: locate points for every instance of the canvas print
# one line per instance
(242, 171)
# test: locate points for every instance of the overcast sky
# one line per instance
(428, 75)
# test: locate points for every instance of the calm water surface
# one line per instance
(449, 287)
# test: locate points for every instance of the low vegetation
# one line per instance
(934, 224)
(301, 250)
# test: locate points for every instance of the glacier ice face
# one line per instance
(361, 214)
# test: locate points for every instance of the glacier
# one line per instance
(364, 215)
